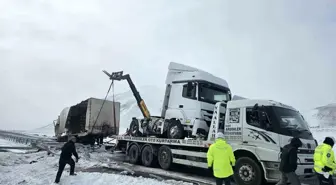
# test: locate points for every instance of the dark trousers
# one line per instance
(219, 181)
(61, 165)
(323, 181)
(291, 177)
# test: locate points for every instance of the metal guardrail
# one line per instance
(17, 147)
(32, 141)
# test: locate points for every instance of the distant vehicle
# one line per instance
(82, 120)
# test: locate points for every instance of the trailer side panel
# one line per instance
(108, 120)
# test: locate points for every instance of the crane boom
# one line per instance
(141, 103)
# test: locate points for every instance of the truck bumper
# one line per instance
(273, 174)
(305, 171)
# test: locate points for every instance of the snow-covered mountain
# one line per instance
(324, 116)
(322, 121)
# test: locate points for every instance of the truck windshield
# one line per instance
(292, 123)
(212, 94)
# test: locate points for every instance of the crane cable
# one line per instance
(108, 91)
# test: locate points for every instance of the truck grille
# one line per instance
(305, 151)
(207, 115)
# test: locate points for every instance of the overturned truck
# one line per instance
(89, 120)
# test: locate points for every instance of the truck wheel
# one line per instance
(147, 156)
(165, 157)
(133, 154)
(247, 172)
(134, 128)
(175, 129)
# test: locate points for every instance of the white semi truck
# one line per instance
(188, 103)
(196, 106)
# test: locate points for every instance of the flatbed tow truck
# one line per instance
(257, 150)
(256, 129)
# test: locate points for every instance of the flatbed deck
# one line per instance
(163, 141)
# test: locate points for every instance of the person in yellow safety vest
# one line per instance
(324, 161)
(221, 160)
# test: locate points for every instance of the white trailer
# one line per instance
(92, 118)
(256, 129)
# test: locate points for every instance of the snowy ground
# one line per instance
(39, 168)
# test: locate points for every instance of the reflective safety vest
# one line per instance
(220, 156)
(324, 156)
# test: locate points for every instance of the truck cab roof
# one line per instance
(260, 102)
(183, 73)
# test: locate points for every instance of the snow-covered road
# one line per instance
(40, 169)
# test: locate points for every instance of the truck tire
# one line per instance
(175, 129)
(147, 156)
(248, 172)
(133, 154)
(134, 129)
(165, 157)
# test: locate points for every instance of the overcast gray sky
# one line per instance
(52, 52)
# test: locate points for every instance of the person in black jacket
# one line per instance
(288, 164)
(68, 150)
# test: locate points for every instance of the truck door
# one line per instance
(183, 102)
(261, 136)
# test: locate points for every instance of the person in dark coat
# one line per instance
(288, 164)
(68, 150)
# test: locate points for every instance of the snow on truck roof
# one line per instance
(190, 73)
(252, 102)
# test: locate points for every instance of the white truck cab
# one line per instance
(190, 97)
(259, 129)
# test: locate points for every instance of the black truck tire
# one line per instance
(165, 157)
(147, 156)
(134, 128)
(175, 129)
(133, 154)
(248, 172)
